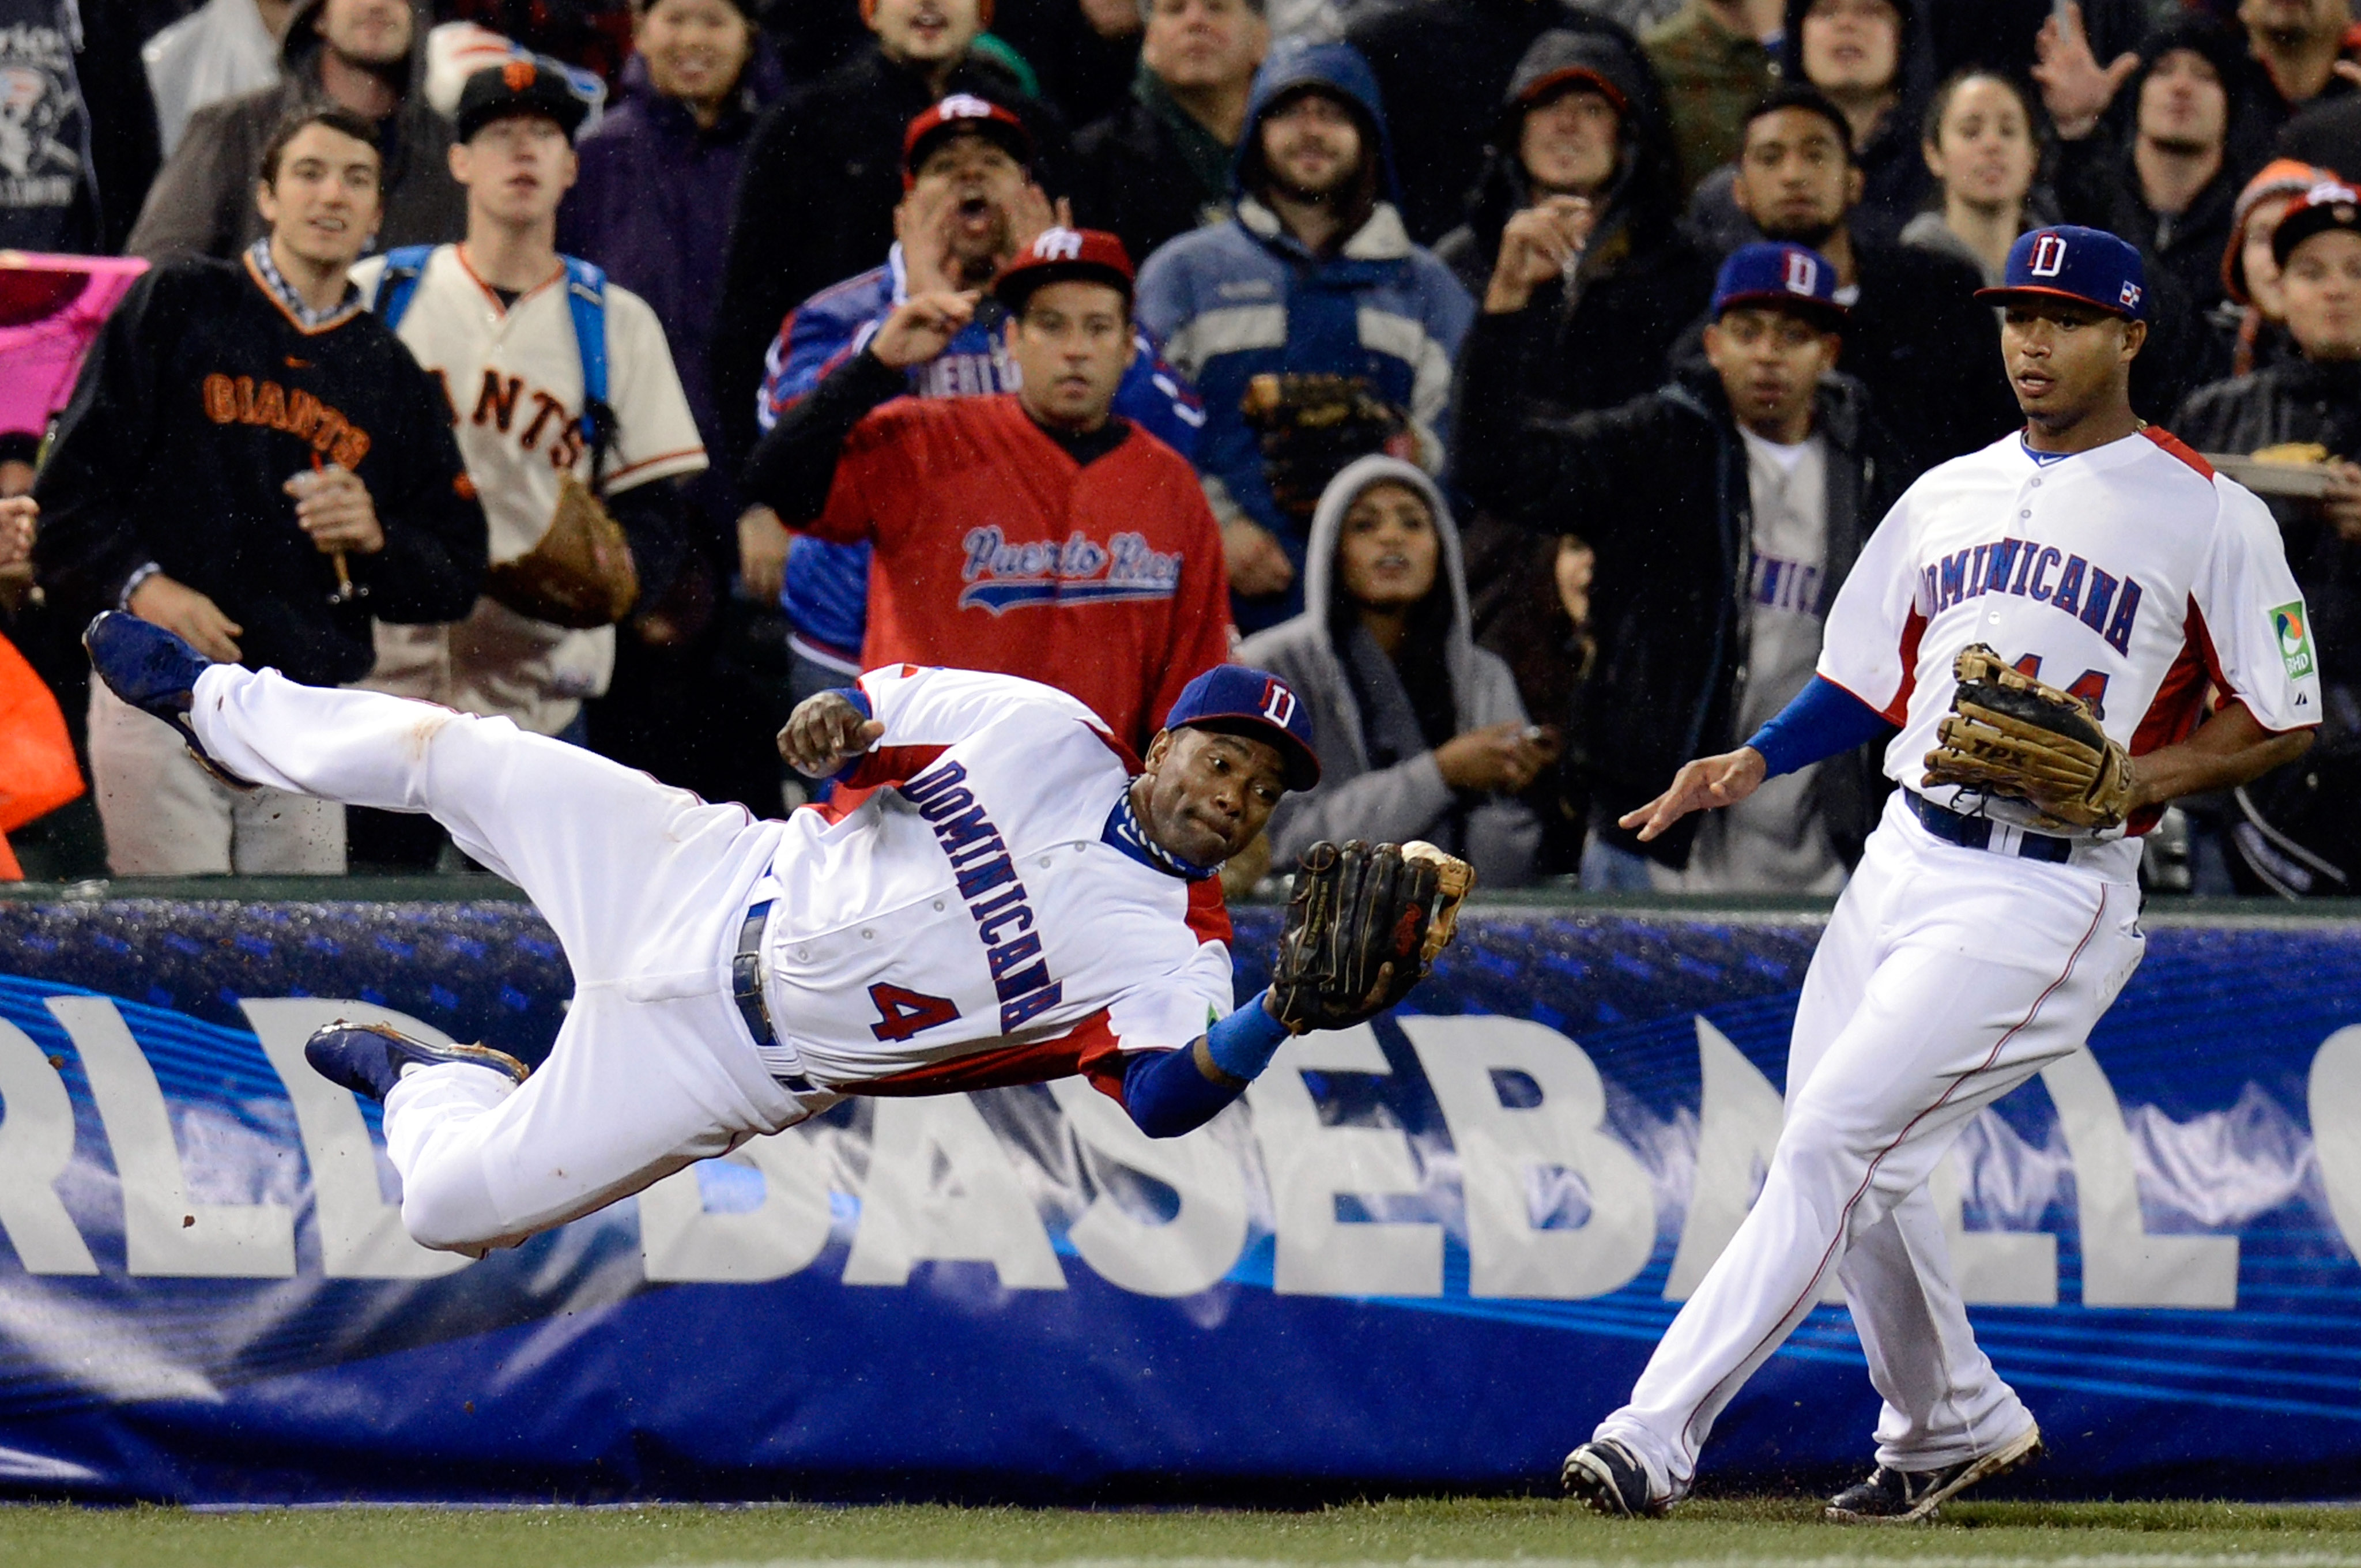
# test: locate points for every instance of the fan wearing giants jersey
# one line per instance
(1976, 943)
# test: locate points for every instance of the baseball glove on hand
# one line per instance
(1363, 925)
(2010, 734)
(1310, 426)
(580, 574)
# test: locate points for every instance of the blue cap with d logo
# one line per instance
(2067, 261)
(1232, 699)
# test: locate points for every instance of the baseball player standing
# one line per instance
(1000, 894)
(1996, 914)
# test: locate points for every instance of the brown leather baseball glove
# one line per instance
(2012, 735)
(1310, 426)
(1363, 924)
(580, 574)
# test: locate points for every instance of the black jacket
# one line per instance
(200, 399)
(2098, 186)
(1659, 488)
(1130, 180)
(2296, 401)
(1440, 67)
(1927, 353)
(1642, 281)
(815, 206)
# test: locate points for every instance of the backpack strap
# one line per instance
(403, 267)
(586, 300)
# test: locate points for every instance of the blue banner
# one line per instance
(1431, 1253)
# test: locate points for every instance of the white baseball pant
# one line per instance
(646, 887)
(1947, 977)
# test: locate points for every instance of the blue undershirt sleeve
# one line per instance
(1168, 1095)
(1824, 720)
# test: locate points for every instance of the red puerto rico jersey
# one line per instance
(2132, 574)
(996, 551)
(974, 909)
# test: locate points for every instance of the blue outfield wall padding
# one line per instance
(1428, 1254)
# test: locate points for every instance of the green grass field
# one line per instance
(1431, 1533)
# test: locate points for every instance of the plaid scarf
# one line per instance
(257, 255)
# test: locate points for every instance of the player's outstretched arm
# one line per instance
(1701, 786)
(1364, 925)
(1821, 721)
(825, 732)
(1172, 1092)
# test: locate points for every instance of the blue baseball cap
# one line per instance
(2067, 261)
(1781, 275)
(1231, 699)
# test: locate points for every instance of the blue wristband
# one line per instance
(1823, 720)
(1243, 1044)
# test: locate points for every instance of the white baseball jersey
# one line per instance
(978, 908)
(2132, 574)
(514, 380)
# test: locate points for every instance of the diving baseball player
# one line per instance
(999, 893)
(2044, 620)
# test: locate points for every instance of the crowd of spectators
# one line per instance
(1520, 378)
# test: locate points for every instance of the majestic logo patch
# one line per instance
(2295, 642)
(1001, 576)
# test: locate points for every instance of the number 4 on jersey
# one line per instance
(902, 1014)
(2091, 686)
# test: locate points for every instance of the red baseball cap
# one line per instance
(1581, 76)
(962, 113)
(1061, 256)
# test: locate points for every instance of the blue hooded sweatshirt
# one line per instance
(1243, 299)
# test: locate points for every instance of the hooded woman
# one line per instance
(1421, 732)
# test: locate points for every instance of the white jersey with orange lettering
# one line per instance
(2132, 576)
(1969, 951)
(978, 905)
(513, 373)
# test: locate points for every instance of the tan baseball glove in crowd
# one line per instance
(580, 574)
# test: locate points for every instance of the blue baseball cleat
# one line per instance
(367, 1059)
(155, 672)
(1610, 1477)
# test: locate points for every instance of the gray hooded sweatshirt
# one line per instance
(1410, 799)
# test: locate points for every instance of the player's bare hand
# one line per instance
(333, 507)
(188, 614)
(1539, 244)
(762, 543)
(1257, 563)
(2342, 500)
(1505, 756)
(824, 733)
(1700, 785)
(18, 515)
(2075, 88)
(922, 327)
